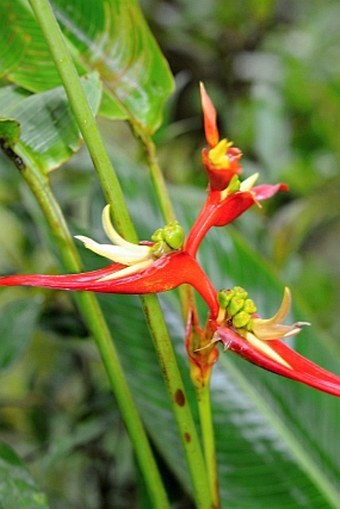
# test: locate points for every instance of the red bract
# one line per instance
(221, 161)
(219, 211)
(201, 352)
(166, 273)
(297, 367)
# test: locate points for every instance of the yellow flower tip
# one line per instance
(249, 182)
(218, 155)
(272, 328)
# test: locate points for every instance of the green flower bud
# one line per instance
(234, 185)
(235, 305)
(241, 319)
(158, 235)
(249, 306)
(174, 235)
(240, 292)
(224, 297)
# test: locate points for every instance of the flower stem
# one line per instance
(158, 179)
(205, 413)
(94, 319)
(115, 198)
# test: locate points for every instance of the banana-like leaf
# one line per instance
(109, 36)
(277, 440)
(41, 127)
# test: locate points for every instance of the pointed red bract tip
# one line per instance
(209, 117)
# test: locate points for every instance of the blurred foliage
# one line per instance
(273, 71)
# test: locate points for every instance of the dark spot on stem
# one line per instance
(187, 437)
(19, 163)
(179, 397)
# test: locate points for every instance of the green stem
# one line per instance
(158, 179)
(187, 302)
(114, 196)
(96, 323)
(205, 413)
(181, 407)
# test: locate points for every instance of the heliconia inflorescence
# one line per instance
(169, 260)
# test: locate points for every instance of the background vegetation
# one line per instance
(273, 71)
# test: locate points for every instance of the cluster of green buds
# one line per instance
(167, 239)
(236, 308)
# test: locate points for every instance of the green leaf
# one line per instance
(17, 325)
(49, 132)
(275, 438)
(9, 131)
(104, 35)
(17, 487)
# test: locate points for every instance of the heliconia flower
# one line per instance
(280, 359)
(240, 330)
(221, 161)
(140, 269)
(223, 207)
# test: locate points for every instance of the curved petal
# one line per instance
(117, 254)
(295, 366)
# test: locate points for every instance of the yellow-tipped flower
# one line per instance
(237, 310)
(273, 327)
(135, 257)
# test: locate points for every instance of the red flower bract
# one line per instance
(220, 212)
(301, 369)
(166, 273)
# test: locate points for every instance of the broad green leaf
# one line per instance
(17, 487)
(277, 440)
(104, 35)
(18, 320)
(49, 132)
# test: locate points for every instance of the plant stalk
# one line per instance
(208, 436)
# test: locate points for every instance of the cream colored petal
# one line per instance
(268, 327)
(268, 331)
(114, 236)
(115, 253)
(248, 183)
(266, 349)
(133, 269)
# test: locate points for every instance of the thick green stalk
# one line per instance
(94, 319)
(114, 196)
(158, 180)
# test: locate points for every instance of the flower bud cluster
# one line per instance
(238, 308)
(167, 239)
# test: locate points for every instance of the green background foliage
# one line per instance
(273, 73)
